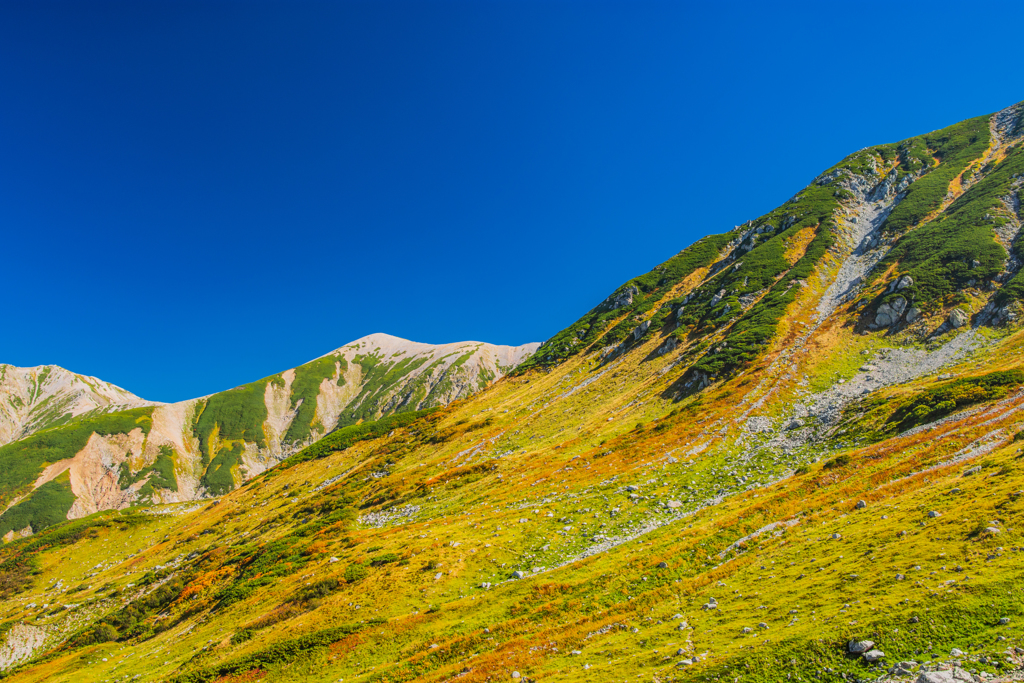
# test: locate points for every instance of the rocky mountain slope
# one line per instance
(106, 459)
(37, 398)
(791, 452)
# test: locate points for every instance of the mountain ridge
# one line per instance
(107, 458)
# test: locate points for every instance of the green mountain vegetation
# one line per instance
(792, 452)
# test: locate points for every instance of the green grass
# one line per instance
(378, 376)
(47, 505)
(940, 256)
(237, 414)
(652, 287)
(219, 477)
(955, 146)
(346, 437)
(161, 473)
(306, 389)
(22, 461)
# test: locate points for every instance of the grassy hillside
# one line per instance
(601, 515)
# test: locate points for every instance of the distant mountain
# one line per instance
(47, 395)
(81, 445)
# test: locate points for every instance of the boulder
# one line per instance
(904, 282)
(872, 656)
(913, 314)
(518, 575)
(857, 647)
(958, 318)
(641, 330)
(860, 505)
(889, 313)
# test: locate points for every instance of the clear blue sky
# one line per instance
(195, 195)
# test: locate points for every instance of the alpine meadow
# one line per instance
(793, 451)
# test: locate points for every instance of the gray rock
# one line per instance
(872, 656)
(667, 346)
(518, 575)
(663, 565)
(904, 282)
(889, 313)
(860, 505)
(933, 514)
(1004, 621)
(620, 299)
(956, 675)
(958, 318)
(641, 330)
(856, 647)
(913, 314)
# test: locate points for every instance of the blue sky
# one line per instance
(194, 195)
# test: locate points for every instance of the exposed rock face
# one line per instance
(35, 398)
(94, 473)
(619, 299)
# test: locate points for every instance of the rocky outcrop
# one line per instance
(889, 313)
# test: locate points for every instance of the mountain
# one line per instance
(82, 455)
(790, 452)
(37, 398)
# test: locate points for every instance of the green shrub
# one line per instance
(317, 590)
(355, 572)
(239, 413)
(344, 437)
(651, 288)
(47, 505)
(219, 477)
(955, 146)
(837, 462)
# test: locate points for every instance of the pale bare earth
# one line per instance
(21, 643)
(32, 398)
